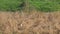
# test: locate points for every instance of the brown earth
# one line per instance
(29, 23)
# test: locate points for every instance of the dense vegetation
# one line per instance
(46, 5)
(42, 5)
(10, 4)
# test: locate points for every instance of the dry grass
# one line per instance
(29, 23)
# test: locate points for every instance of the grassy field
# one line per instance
(46, 5)
(29, 23)
(41, 5)
(9, 5)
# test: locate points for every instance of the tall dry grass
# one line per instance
(29, 23)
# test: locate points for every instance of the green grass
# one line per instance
(9, 4)
(46, 5)
(42, 5)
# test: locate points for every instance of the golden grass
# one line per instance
(29, 23)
